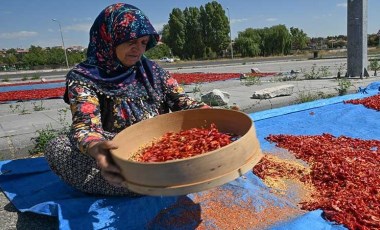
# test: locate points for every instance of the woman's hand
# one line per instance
(100, 151)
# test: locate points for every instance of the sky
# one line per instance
(29, 22)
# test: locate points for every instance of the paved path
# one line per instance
(21, 122)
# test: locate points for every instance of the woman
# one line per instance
(114, 88)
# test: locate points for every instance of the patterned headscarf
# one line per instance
(116, 24)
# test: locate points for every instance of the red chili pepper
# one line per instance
(372, 102)
(24, 95)
(345, 172)
(186, 143)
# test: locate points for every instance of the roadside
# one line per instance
(22, 122)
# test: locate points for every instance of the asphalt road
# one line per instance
(272, 64)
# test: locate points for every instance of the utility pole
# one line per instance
(229, 21)
(357, 21)
(63, 43)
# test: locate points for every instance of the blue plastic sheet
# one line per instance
(32, 87)
(31, 186)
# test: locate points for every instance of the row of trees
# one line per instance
(203, 33)
(38, 57)
(196, 33)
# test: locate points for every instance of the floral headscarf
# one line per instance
(116, 24)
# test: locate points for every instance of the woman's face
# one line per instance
(131, 51)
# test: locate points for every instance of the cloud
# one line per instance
(233, 21)
(344, 5)
(82, 27)
(20, 34)
(271, 19)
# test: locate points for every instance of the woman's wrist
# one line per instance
(90, 147)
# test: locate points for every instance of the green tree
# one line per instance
(248, 43)
(276, 40)
(216, 27)
(176, 33)
(11, 51)
(373, 40)
(11, 59)
(284, 39)
(194, 44)
(164, 33)
(76, 57)
(55, 56)
(206, 29)
(375, 66)
(36, 57)
(299, 38)
(158, 52)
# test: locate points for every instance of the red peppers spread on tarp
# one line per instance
(372, 102)
(345, 171)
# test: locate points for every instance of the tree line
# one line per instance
(203, 33)
(197, 34)
(40, 58)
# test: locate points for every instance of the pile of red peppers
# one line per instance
(345, 171)
(372, 102)
(186, 143)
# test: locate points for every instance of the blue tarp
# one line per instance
(31, 186)
(32, 87)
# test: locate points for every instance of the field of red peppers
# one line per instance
(345, 172)
(189, 78)
(182, 78)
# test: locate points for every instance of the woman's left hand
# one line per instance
(100, 151)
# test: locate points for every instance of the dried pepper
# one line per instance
(184, 144)
(372, 102)
(345, 171)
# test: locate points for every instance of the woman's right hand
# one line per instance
(100, 151)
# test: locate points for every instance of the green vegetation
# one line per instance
(38, 58)
(158, 52)
(250, 80)
(43, 138)
(307, 96)
(197, 91)
(48, 133)
(343, 86)
(375, 66)
(37, 107)
(316, 73)
(19, 108)
(197, 33)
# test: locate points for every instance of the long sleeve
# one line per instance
(86, 120)
(177, 99)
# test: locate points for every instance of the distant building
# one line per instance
(22, 51)
(75, 48)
